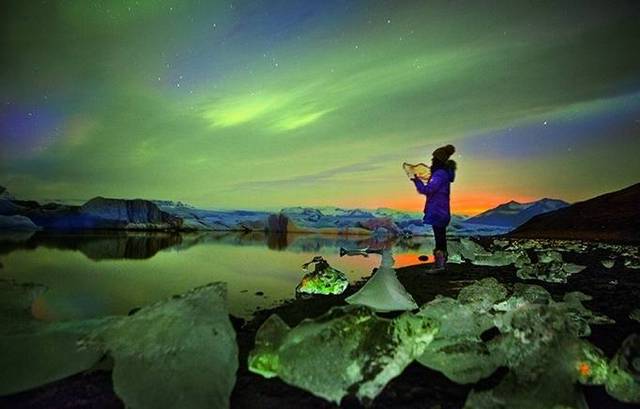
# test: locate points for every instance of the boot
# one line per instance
(440, 262)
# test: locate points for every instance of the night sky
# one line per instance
(268, 104)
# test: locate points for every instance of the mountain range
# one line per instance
(126, 214)
(611, 216)
(512, 214)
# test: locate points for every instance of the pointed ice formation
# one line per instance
(347, 350)
(383, 291)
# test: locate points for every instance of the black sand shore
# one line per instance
(615, 293)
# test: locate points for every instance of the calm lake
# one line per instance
(105, 273)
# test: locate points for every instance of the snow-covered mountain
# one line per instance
(512, 214)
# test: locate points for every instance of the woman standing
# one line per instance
(437, 211)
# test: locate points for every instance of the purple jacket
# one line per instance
(436, 209)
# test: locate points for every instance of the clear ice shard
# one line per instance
(348, 350)
(324, 279)
(383, 291)
(180, 352)
(176, 353)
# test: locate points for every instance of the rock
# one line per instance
(17, 222)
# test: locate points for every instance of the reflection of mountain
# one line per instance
(513, 214)
(97, 246)
(612, 216)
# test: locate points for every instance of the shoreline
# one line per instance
(417, 386)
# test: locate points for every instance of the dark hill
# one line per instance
(613, 216)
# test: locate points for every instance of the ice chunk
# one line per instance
(524, 294)
(541, 347)
(572, 303)
(550, 268)
(463, 360)
(632, 263)
(347, 350)
(483, 294)
(359, 252)
(180, 352)
(551, 256)
(571, 268)
(608, 263)
(554, 388)
(500, 243)
(35, 352)
(177, 353)
(324, 279)
(383, 291)
(623, 382)
(456, 320)
(469, 249)
(501, 258)
(457, 350)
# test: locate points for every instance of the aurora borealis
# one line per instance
(268, 104)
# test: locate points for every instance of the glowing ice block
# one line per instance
(347, 350)
(324, 279)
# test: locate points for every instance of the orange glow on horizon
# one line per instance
(461, 203)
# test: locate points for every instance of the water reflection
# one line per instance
(100, 245)
(102, 273)
(95, 245)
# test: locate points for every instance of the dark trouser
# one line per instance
(440, 233)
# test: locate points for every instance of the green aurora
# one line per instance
(267, 104)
